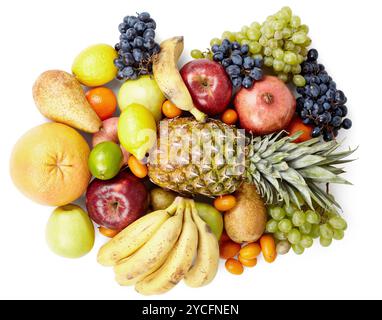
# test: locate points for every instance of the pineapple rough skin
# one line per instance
(214, 159)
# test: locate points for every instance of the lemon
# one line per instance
(94, 66)
(137, 130)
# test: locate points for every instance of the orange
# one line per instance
(170, 110)
(297, 125)
(103, 102)
(230, 117)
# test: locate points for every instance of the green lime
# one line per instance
(105, 160)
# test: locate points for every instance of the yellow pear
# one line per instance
(49, 164)
(60, 97)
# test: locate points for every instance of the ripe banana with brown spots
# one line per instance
(177, 264)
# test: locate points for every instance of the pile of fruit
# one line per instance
(225, 127)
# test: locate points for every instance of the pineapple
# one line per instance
(214, 159)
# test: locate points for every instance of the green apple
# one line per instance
(70, 232)
(212, 217)
(144, 91)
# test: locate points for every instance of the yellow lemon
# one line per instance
(94, 66)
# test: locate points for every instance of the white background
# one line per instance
(40, 35)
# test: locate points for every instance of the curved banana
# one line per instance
(177, 264)
(133, 237)
(207, 262)
(168, 78)
(154, 252)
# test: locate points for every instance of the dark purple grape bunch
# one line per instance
(242, 69)
(320, 103)
(137, 46)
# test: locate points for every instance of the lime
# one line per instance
(137, 130)
(105, 160)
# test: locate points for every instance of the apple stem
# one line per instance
(268, 98)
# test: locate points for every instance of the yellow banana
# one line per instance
(133, 237)
(177, 264)
(207, 261)
(153, 253)
(168, 78)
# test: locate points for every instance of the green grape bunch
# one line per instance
(282, 41)
(297, 229)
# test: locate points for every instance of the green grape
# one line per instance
(298, 249)
(290, 58)
(258, 56)
(294, 236)
(245, 41)
(229, 36)
(299, 81)
(315, 233)
(338, 234)
(298, 218)
(267, 51)
(338, 223)
(276, 213)
(283, 247)
(278, 35)
(263, 41)
(299, 37)
(280, 236)
(306, 241)
(300, 59)
(285, 225)
(268, 61)
(290, 210)
(287, 33)
(255, 47)
(296, 69)
(278, 65)
(303, 53)
(272, 43)
(255, 25)
(308, 42)
(215, 41)
(254, 34)
(278, 25)
(304, 28)
(295, 22)
(325, 242)
(306, 228)
(271, 226)
(297, 49)
(287, 11)
(287, 68)
(240, 36)
(283, 77)
(269, 32)
(197, 54)
(244, 29)
(311, 216)
(326, 231)
(280, 43)
(289, 45)
(278, 54)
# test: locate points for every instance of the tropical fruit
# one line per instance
(94, 66)
(278, 167)
(60, 97)
(70, 232)
(49, 164)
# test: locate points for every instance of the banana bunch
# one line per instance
(169, 80)
(159, 250)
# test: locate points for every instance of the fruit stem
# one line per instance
(268, 98)
(199, 116)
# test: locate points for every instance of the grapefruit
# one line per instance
(49, 164)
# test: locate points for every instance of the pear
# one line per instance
(60, 97)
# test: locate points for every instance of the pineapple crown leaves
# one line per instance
(281, 169)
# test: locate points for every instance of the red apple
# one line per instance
(116, 203)
(208, 84)
(265, 108)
